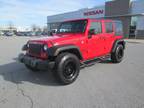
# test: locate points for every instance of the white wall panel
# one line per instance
(137, 7)
(96, 12)
(140, 23)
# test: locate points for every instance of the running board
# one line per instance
(93, 61)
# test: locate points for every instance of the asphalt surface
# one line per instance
(103, 85)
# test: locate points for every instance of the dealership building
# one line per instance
(130, 12)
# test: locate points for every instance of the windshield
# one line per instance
(72, 27)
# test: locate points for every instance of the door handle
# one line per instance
(102, 38)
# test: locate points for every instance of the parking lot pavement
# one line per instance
(103, 85)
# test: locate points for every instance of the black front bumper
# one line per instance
(36, 63)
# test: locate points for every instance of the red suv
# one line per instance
(76, 44)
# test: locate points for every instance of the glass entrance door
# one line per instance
(133, 27)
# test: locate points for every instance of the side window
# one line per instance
(109, 27)
(118, 28)
(97, 26)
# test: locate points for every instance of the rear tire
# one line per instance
(118, 54)
(67, 68)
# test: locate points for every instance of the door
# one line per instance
(108, 36)
(95, 40)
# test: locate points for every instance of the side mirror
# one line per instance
(91, 32)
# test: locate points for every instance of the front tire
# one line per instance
(67, 68)
(118, 54)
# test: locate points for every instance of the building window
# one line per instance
(133, 27)
(109, 27)
(97, 26)
(134, 21)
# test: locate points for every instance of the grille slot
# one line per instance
(35, 48)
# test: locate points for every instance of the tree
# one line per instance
(34, 28)
(11, 26)
(45, 29)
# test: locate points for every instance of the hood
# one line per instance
(59, 39)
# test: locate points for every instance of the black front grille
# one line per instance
(35, 48)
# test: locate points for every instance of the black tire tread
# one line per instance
(57, 63)
(114, 56)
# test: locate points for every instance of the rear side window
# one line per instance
(97, 26)
(118, 28)
(109, 27)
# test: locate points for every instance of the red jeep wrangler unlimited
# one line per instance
(76, 44)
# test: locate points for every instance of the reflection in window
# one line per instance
(72, 26)
(97, 27)
(109, 27)
(118, 28)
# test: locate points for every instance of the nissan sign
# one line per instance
(94, 12)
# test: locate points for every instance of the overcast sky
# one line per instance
(28, 12)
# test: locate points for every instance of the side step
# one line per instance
(93, 61)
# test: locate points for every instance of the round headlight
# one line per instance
(45, 47)
(27, 45)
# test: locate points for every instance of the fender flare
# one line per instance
(116, 43)
(55, 50)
